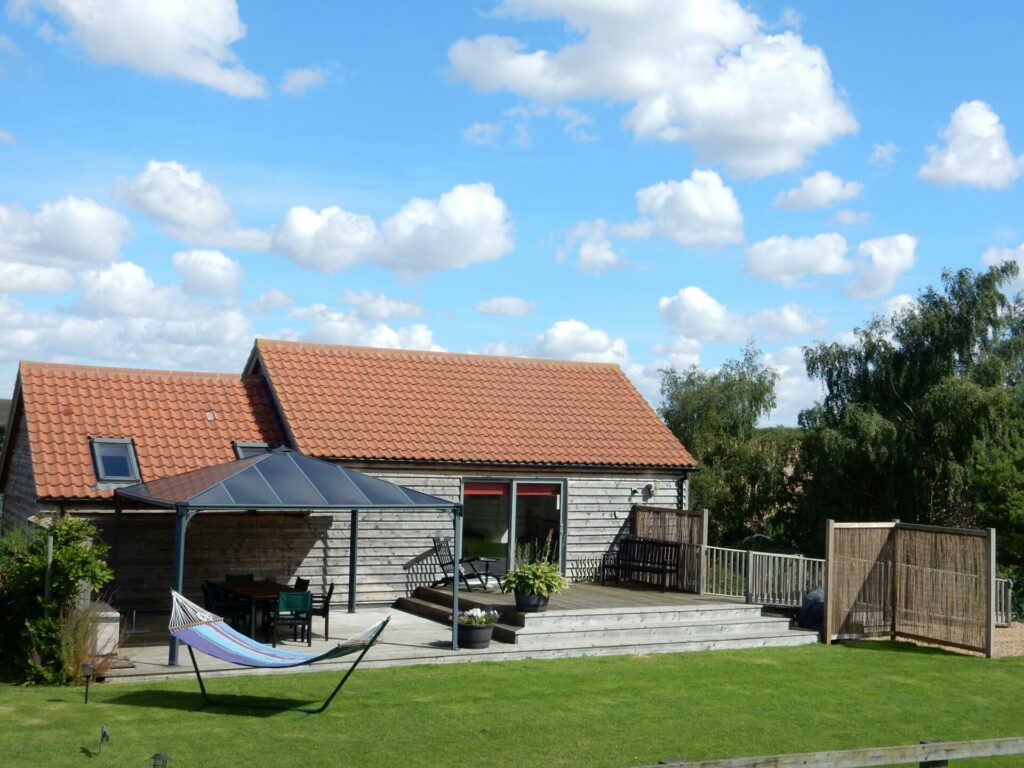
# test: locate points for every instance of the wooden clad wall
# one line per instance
(395, 551)
(20, 489)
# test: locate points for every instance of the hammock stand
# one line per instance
(198, 628)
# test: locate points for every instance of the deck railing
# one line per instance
(784, 580)
(761, 577)
(1004, 602)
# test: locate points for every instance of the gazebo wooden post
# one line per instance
(456, 566)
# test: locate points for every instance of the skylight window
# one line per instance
(114, 458)
(245, 450)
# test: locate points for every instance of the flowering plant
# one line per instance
(478, 616)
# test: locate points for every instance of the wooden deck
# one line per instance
(587, 596)
(587, 619)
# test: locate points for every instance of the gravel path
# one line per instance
(1010, 640)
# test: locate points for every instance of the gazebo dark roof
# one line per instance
(279, 480)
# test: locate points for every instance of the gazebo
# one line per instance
(281, 480)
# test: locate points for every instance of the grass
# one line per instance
(611, 711)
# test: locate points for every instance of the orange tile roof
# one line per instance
(362, 403)
(167, 413)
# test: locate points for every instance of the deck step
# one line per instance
(670, 631)
(634, 629)
(503, 633)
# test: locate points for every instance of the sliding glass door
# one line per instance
(504, 516)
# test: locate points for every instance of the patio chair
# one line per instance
(301, 584)
(322, 607)
(446, 561)
(227, 606)
(293, 609)
(238, 578)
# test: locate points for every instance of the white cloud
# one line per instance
(896, 304)
(786, 259)
(19, 277)
(376, 306)
(994, 256)
(883, 260)
(680, 353)
(695, 315)
(335, 327)
(975, 152)
(467, 225)
(818, 191)
(482, 133)
(848, 218)
(574, 122)
(884, 154)
(188, 39)
(575, 340)
(787, 322)
(327, 240)
(508, 306)
(186, 206)
(297, 81)
(7, 45)
(699, 211)
(594, 250)
(270, 300)
(66, 233)
(794, 392)
(208, 272)
(6, 137)
(701, 72)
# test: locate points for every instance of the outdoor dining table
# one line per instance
(257, 592)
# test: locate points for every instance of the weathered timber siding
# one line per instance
(20, 486)
(395, 551)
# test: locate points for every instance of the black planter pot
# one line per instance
(475, 635)
(530, 603)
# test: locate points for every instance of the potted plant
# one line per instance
(534, 579)
(476, 627)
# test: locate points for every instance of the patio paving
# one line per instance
(412, 639)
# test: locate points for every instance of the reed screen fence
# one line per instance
(919, 582)
(686, 527)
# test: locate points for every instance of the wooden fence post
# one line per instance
(750, 575)
(894, 572)
(990, 629)
(830, 532)
(702, 576)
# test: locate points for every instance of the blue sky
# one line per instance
(646, 183)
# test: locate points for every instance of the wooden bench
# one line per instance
(639, 555)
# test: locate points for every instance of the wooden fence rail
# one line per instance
(935, 754)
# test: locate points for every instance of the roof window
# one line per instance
(245, 450)
(114, 459)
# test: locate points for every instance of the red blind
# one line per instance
(485, 489)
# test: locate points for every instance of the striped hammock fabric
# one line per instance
(207, 632)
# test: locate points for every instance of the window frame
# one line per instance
(133, 462)
(240, 445)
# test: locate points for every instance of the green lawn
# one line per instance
(614, 711)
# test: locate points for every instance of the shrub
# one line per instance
(44, 639)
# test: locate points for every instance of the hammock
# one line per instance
(207, 632)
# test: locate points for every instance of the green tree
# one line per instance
(915, 407)
(743, 470)
(34, 626)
